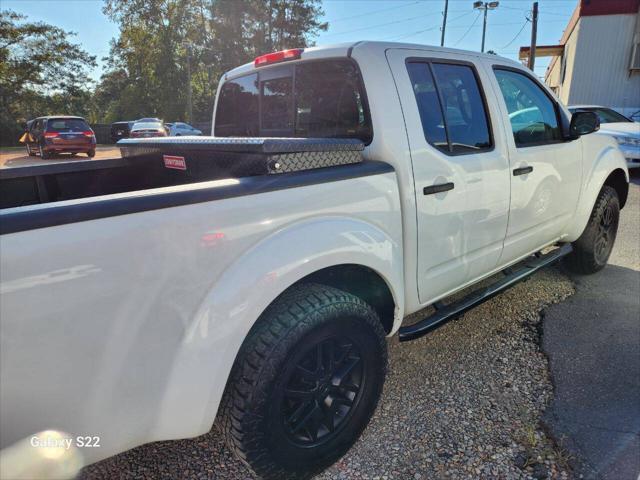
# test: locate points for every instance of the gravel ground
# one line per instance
(462, 402)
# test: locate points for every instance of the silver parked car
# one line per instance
(623, 129)
(178, 129)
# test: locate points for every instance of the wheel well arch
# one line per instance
(361, 281)
(618, 181)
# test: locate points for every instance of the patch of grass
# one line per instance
(561, 454)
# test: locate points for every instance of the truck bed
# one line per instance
(163, 162)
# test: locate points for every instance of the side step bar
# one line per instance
(445, 313)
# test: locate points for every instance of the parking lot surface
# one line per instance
(463, 402)
(11, 157)
(593, 343)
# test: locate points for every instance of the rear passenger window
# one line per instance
(426, 94)
(452, 92)
(532, 114)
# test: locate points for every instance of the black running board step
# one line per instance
(449, 312)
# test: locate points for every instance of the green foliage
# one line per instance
(160, 39)
(41, 72)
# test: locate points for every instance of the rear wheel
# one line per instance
(305, 383)
(91, 153)
(592, 250)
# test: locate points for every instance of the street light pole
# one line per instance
(484, 28)
(486, 6)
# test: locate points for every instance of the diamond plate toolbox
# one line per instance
(230, 157)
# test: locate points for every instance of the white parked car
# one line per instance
(255, 279)
(624, 130)
(178, 129)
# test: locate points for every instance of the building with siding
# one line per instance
(598, 59)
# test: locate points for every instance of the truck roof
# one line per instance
(345, 49)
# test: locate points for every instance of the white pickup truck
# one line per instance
(255, 274)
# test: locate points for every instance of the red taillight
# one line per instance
(277, 57)
(88, 133)
(51, 134)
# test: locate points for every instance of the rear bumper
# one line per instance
(69, 147)
(83, 148)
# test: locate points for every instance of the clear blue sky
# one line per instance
(416, 21)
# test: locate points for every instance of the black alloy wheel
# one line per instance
(607, 229)
(322, 389)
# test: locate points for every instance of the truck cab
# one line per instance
(488, 169)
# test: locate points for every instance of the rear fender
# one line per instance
(212, 340)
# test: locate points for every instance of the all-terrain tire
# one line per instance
(272, 405)
(591, 251)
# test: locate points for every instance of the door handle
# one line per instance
(522, 171)
(443, 187)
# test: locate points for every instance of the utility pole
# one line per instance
(189, 93)
(486, 6)
(484, 28)
(534, 34)
(444, 22)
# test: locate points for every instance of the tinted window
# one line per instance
(310, 99)
(330, 101)
(237, 112)
(463, 108)
(428, 105)
(66, 125)
(277, 104)
(450, 91)
(531, 112)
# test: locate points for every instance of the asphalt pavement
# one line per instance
(12, 157)
(593, 343)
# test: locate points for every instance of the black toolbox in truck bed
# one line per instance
(225, 157)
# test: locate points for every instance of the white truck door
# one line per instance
(546, 171)
(460, 168)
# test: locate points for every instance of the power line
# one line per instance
(554, 13)
(469, 29)
(414, 33)
(515, 8)
(517, 34)
(374, 12)
(430, 28)
(378, 25)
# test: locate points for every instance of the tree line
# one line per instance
(43, 71)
